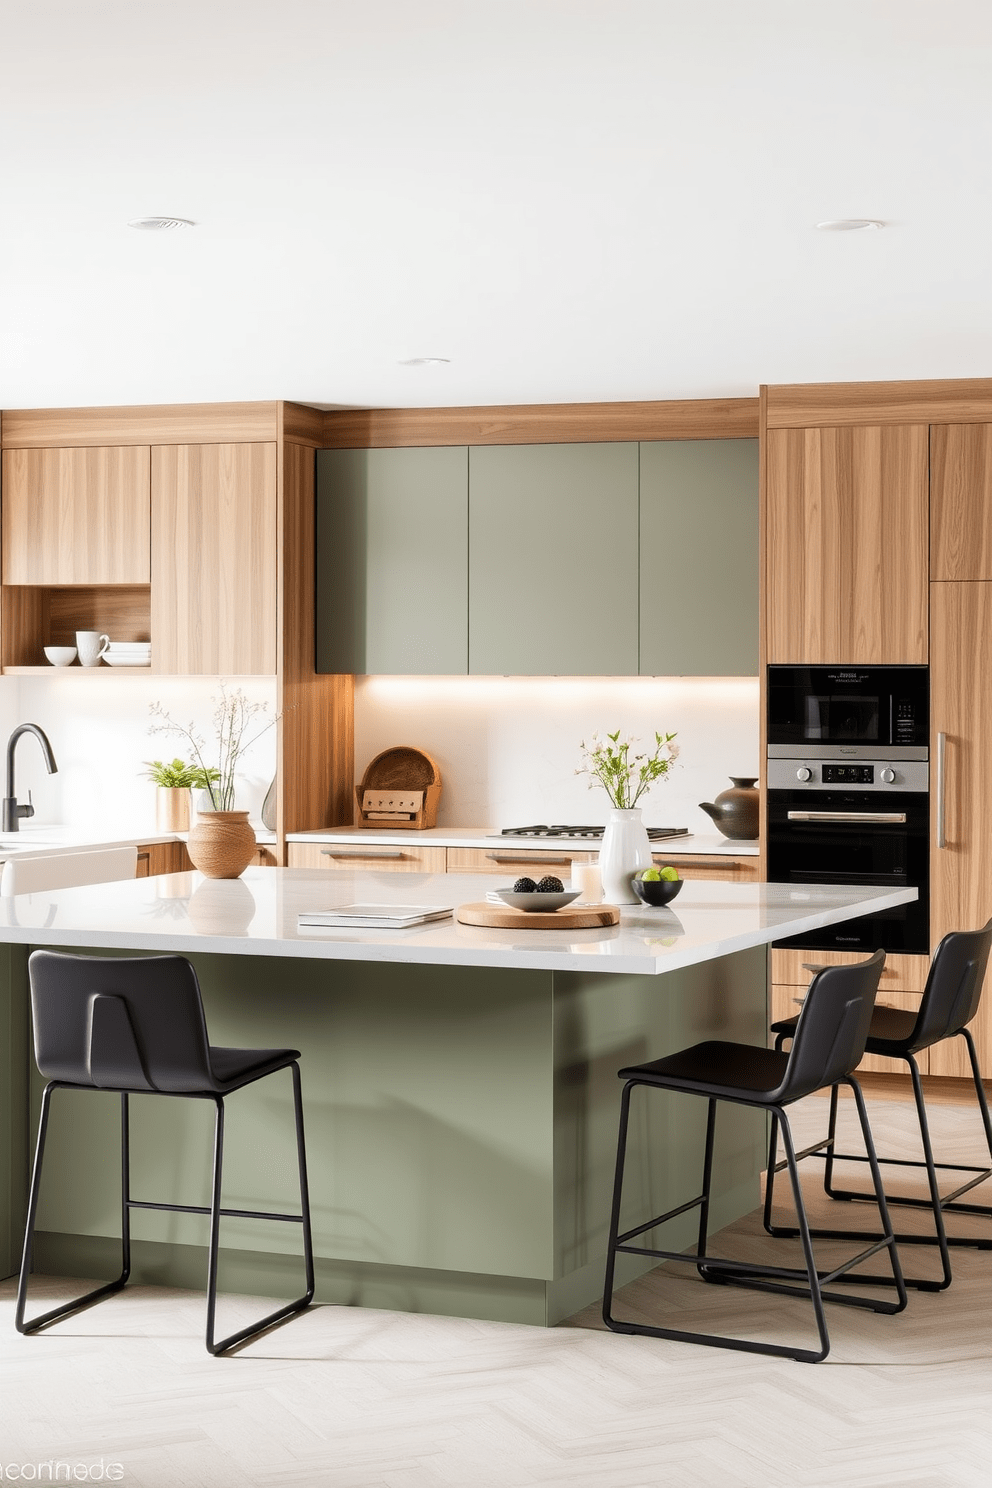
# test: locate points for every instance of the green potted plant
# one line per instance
(222, 843)
(174, 779)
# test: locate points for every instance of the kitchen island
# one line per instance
(459, 1084)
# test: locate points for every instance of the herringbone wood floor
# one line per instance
(361, 1399)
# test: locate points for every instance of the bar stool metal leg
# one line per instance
(32, 1324)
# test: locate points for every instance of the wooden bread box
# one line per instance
(401, 787)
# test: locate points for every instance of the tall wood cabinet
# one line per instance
(846, 567)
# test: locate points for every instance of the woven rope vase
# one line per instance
(222, 844)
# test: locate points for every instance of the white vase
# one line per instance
(625, 851)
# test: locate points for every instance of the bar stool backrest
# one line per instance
(120, 1023)
(954, 986)
(833, 1027)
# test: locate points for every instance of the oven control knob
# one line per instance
(804, 773)
(887, 775)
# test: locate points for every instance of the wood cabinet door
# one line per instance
(392, 561)
(699, 558)
(378, 858)
(961, 501)
(214, 558)
(697, 865)
(846, 539)
(508, 862)
(961, 707)
(76, 516)
(553, 560)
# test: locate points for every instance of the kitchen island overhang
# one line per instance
(460, 1084)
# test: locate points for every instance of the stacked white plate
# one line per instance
(129, 654)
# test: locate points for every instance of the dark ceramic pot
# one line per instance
(736, 811)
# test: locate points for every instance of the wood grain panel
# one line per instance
(900, 973)
(298, 424)
(76, 516)
(846, 545)
(785, 1002)
(542, 423)
(960, 400)
(316, 750)
(961, 501)
(506, 861)
(961, 709)
(163, 857)
(376, 858)
(214, 558)
(168, 423)
(696, 865)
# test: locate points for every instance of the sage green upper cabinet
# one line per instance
(553, 559)
(699, 558)
(392, 561)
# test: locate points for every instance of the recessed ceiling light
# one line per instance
(426, 362)
(851, 224)
(160, 224)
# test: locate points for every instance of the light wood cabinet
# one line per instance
(376, 858)
(699, 865)
(961, 707)
(698, 545)
(162, 857)
(900, 984)
(846, 558)
(214, 558)
(76, 516)
(512, 862)
(961, 501)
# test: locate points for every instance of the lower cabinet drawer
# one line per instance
(162, 857)
(514, 862)
(379, 858)
(900, 973)
(741, 870)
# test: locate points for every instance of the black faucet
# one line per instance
(12, 812)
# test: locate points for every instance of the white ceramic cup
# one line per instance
(60, 655)
(91, 644)
(587, 878)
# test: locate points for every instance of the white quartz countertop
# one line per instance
(257, 915)
(41, 841)
(491, 839)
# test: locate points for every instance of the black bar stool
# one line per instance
(950, 1001)
(136, 1026)
(829, 1043)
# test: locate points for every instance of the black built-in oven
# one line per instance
(848, 802)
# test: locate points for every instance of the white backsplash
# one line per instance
(98, 727)
(508, 747)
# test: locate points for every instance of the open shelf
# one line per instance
(36, 616)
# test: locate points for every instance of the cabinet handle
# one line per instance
(359, 852)
(699, 862)
(941, 785)
(526, 858)
(847, 816)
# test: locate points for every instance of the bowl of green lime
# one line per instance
(657, 886)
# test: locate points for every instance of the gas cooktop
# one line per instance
(596, 832)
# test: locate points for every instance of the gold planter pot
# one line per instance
(222, 844)
(171, 809)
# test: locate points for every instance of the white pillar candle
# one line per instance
(587, 879)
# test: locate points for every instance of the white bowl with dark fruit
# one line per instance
(543, 897)
(657, 887)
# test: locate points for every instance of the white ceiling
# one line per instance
(571, 199)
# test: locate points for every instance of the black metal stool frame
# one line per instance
(762, 1278)
(214, 1210)
(937, 1203)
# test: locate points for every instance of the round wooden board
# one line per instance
(572, 917)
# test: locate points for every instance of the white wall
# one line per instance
(98, 727)
(508, 746)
